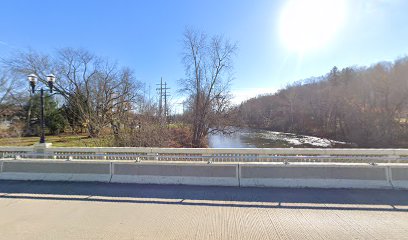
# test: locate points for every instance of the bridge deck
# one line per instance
(56, 210)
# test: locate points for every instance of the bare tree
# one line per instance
(95, 90)
(6, 86)
(101, 91)
(208, 65)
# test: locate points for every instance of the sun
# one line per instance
(308, 25)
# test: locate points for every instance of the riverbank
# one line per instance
(241, 138)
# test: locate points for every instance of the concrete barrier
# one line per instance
(328, 175)
(319, 175)
(176, 173)
(56, 170)
(399, 176)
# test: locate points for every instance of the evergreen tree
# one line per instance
(54, 118)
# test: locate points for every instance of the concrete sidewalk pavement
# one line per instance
(59, 210)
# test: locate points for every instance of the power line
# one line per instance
(163, 95)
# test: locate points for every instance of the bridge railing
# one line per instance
(209, 154)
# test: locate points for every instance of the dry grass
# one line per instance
(58, 141)
(151, 136)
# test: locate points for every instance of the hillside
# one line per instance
(367, 106)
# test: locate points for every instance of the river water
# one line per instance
(252, 138)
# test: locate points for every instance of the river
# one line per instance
(252, 138)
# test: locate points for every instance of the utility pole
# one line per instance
(163, 93)
(166, 108)
(160, 89)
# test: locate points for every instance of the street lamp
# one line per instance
(32, 78)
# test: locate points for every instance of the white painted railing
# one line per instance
(209, 154)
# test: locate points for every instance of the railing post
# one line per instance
(152, 156)
(41, 150)
(207, 157)
(392, 158)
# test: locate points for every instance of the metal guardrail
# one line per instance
(211, 155)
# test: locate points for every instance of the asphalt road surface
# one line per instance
(58, 210)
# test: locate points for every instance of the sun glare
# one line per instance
(308, 25)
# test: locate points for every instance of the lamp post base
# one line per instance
(41, 150)
(42, 145)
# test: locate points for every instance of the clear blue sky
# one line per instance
(146, 35)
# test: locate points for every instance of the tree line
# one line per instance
(365, 106)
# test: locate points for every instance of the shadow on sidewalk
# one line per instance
(290, 198)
